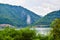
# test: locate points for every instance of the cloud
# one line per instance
(42, 7)
(12, 2)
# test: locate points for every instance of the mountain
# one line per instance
(46, 20)
(17, 15)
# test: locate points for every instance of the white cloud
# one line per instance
(42, 7)
(13, 2)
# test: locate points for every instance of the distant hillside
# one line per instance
(17, 15)
(46, 20)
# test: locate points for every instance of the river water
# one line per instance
(44, 31)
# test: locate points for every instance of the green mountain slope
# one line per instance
(46, 20)
(16, 15)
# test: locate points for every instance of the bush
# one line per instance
(13, 34)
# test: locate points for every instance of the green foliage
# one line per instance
(42, 37)
(22, 34)
(15, 34)
(56, 29)
(45, 37)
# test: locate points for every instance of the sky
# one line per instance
(40, 7)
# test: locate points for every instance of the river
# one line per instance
(42, 30)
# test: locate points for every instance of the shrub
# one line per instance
(13, 34)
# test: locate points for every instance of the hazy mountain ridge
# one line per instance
(47, 19)
(16, 15)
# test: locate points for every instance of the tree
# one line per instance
(56, 29)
